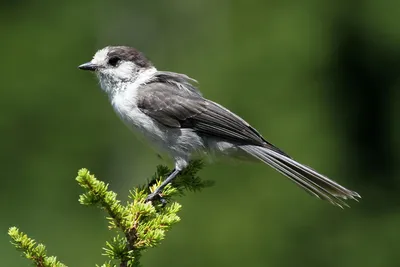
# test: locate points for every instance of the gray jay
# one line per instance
(171, 113)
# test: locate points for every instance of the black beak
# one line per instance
(88, 66)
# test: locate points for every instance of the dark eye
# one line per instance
(113, 61)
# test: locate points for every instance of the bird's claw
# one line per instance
(156, 196)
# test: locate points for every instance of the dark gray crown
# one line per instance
(129, 54)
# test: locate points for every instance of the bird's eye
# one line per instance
(113, 61)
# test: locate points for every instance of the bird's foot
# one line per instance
(156, 196)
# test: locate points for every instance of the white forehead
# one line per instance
(101, 55)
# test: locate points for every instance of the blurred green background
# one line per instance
(318, 78)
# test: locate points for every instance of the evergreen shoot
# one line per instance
(138, 225)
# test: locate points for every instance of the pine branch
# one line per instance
(31, 250)
(139, 225)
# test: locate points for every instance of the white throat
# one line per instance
(116, 86)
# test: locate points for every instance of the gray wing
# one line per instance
(174, 107)
(182, 81)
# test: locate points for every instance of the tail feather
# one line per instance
(311, 181)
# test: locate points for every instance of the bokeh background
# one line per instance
(318, 78)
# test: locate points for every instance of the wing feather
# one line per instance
(173, 106)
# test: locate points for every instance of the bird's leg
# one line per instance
(156, 193)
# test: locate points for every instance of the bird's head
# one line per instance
(117, 65)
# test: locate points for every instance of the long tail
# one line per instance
(314, 183)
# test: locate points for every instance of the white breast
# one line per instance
(178, 143)
(124, 104)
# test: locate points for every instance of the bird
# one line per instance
(168, 110)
